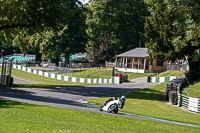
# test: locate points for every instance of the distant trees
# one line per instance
(172, 31)
(70, 38)
(55, 27)
(32, 15)
(59, 27)
(118, 23)
(160, 30)
(104, 28)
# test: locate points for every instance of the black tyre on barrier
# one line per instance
(173, 97)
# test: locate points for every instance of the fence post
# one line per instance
(2, 71)
(9, 79)
(117, 80)
(148, 79)
(179, 104)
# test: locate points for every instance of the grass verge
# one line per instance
(170, 73)
(105, 73)
(41, 81)
(192, 90)
(148, 102)
(22, 118)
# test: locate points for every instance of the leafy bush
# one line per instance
(193, 76)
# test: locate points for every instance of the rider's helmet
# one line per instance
(123, 97)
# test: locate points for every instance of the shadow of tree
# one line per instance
(68, 95)
(33, 98)
(30, 85)
(11, 104)
(145, 94)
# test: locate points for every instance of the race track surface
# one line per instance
(73, 97)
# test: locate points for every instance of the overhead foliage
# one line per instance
(172, 31)
(70, 38)
(37, 15)
(119, 22)
(56, 27)
(160, 30)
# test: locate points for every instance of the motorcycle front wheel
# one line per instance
(112, 107)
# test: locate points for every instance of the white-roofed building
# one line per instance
(138, 60)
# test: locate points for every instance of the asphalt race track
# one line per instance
(73, 97)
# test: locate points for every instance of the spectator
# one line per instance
(170, 63)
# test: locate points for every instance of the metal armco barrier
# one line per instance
(160, 79)
(189, 103)
(113, 80)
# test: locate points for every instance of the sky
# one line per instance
(84, 1)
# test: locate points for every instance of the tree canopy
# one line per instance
(104, 28)
(19, 15)
(55, 27)
(119, 23)
(172, 31)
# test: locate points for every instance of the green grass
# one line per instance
(41, 81)
(170, 73)
(192, 90)
(93, 73)
(105, 73)
(22, 118)
(138, 75)
(148, 102)
(45, 82)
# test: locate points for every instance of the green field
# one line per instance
(170, 73)
(192, 90)
(41, 81)
(93, 73)
(148, 102)
(105, 73)
(22, 118)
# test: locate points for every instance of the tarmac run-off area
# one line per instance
(73, 97)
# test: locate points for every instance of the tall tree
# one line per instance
(70, 38)
(172, 31)
(19, 15)
(56, 27)
(160, 30)
(119, 22)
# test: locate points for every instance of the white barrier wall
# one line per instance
(161, 79)
(189, 103)
(115, 80)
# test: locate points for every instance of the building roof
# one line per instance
(137, 52)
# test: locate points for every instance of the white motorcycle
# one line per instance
(112, 106)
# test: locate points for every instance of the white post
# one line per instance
(133, 63)
(123, 63)
(126, 64)
(144, 63)
(139, 63)
(115, 62)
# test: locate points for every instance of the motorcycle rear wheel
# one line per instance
(112, 108)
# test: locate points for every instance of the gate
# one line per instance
(6, 70)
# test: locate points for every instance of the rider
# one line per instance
(123, 98)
